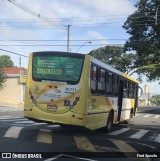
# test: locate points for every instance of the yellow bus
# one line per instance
(77, 89)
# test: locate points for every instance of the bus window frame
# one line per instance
(59, 54)
(101, 91)
(93, 92)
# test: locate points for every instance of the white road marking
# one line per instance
(157, 116)
(139, 134)
(13, 132)
(12, 119)
(44, 136)
(123, 147)
(117, 132)
(53, 126)
(83, 143)
(137, 115)
(23, 122)
(157, 139)
(126, 148)
(146, 115)
(73, 157)
(5, 117)
(10, 110)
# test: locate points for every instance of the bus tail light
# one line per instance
(74, 103)
(31, 97)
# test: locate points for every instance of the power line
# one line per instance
(43, 18)
(33, 13)
(66, 40)
(57, 45)
(5, 32)
(94, 25)
(13, 53)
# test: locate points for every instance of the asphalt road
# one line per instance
(140, 137)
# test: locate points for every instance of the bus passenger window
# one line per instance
(101, 82)
(115, 86)
(129, 89)
(109, 86)
(132, 90)
(93, 79)
(125, 90)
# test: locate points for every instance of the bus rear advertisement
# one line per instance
(77, 89)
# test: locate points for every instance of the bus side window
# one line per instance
(109, 86)
(129, 89)
(101, 81)
(115, 85)
(133, 90)
(93, 79)
(125, 90)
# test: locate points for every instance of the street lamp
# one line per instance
(83, 45)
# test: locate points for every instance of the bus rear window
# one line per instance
(57, 68)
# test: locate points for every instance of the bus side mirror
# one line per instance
(140, 91)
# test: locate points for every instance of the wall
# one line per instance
(11, 93)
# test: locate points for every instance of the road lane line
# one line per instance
(117, 132)
(83, 143)
(53, 126)
(70, 156)
(12, 120)
(5, 117)
(157, 116)
(146, 115)
(139, 134)
(11, 117)
(157, 139)
(122, 146)
(44, 136)
(13, 132)
(126, 149)
(24, 122)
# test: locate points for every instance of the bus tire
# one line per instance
(109, 122)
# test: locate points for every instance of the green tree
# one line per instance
(2, 78)
(155, 100)
(114, 56)
(5, 61)
(144, 27)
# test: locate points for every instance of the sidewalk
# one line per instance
(9, 105)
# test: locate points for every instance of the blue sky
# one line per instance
(98, 21)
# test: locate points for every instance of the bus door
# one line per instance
(120, 99)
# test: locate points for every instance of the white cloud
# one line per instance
(59, 10)
(67, 8)
(109, 7)
(96, 35)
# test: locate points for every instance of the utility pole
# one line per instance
(68, 37)
(20, 62)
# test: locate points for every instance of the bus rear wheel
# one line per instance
(109, 122)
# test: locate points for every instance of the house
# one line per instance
(14, 86)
